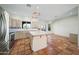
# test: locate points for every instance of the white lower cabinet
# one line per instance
(39, 42)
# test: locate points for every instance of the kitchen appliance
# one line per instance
(4, 30)
(11, 39)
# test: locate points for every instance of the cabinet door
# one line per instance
(10, 23)
(15, 23)
(74, 38)
(19, 24)
(39, 42)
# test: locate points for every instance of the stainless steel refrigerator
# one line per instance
(4, 31)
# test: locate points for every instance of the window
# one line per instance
(26, 25)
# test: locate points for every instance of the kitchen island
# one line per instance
(39, 39)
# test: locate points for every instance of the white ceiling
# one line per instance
(47, 11)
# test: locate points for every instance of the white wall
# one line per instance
(66, 26)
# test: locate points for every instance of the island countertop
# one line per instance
(39, 39)
(39, 32)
